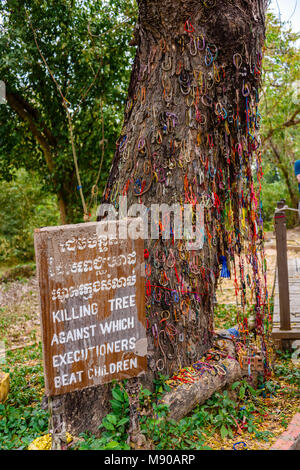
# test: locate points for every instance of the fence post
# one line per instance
(282, 265)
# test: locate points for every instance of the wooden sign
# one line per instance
(92, 306)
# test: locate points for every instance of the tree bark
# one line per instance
(189, 137)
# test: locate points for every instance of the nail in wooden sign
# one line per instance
(92, 305)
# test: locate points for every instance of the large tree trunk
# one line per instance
(188, 136)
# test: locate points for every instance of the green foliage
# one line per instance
(164, 434)
(271, 194)
(268, 388)
(20, 272)
(225, 315)
(20, 426)
(114, 425)
(160, 386)
(24, 206)
(222, 414)
(26, 381)
(21, 418)
(280, 108)
(284, 355)
(90, 442)
(245, 390)
(85, 45)
(290, 374)
(263, 435)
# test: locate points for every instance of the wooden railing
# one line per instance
(286, 330)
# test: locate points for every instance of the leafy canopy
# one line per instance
(85, 47)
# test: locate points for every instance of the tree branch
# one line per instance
(29, 115)
(289, 123)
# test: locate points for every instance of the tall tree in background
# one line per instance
(190, 137)
(57, 55)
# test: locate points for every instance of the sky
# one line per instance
(288, 9)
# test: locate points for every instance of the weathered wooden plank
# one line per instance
(92, 306)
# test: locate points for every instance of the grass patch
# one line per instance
(21, 272)
(21, 417)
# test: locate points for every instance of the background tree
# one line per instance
(280, 110)
(76, 47)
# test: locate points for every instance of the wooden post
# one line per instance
(282, 265)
